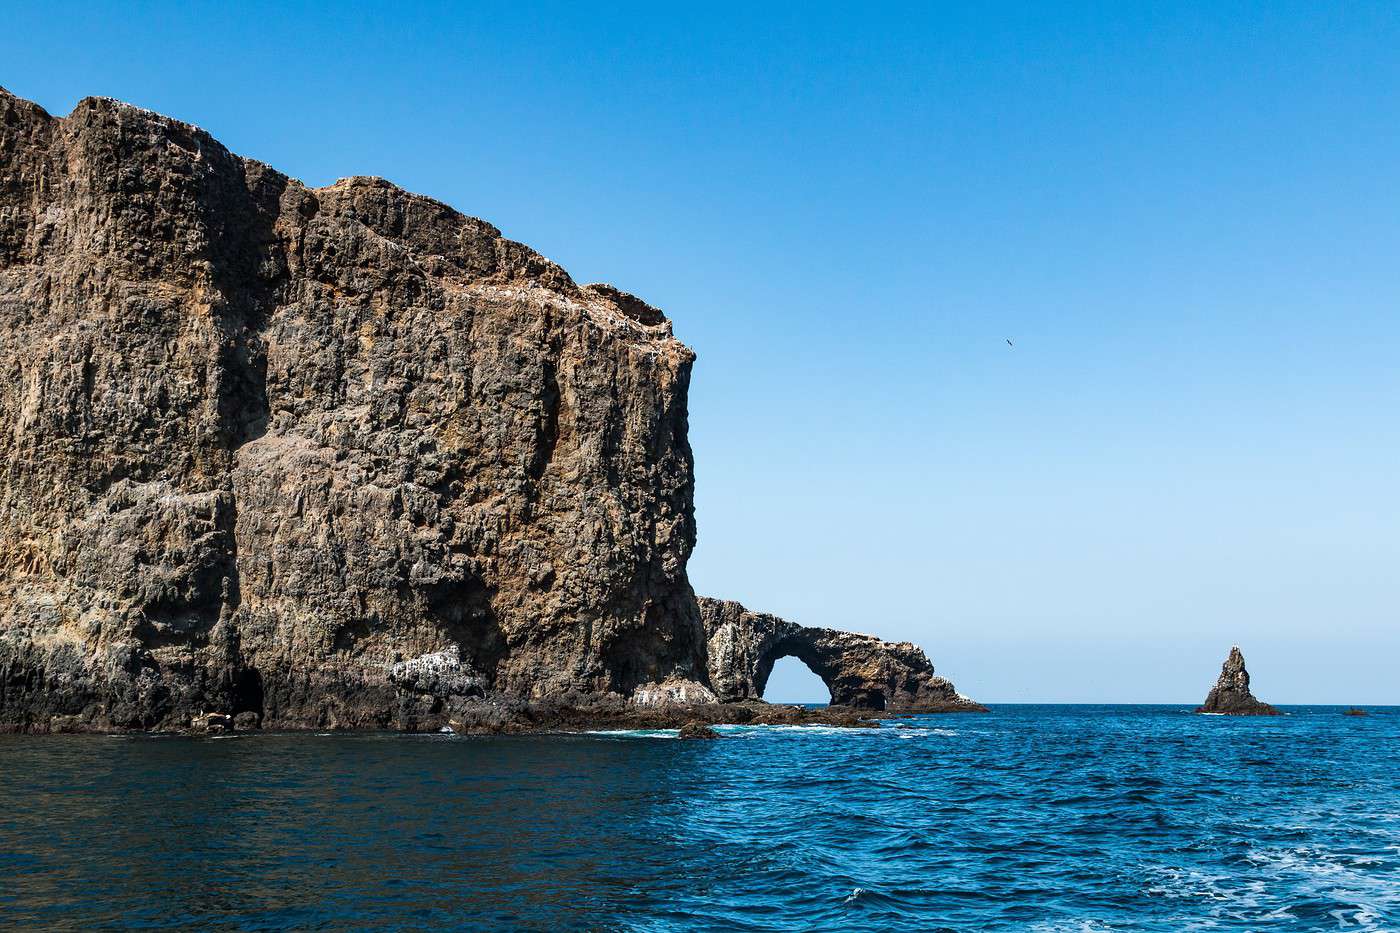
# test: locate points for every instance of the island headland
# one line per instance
(343, 457)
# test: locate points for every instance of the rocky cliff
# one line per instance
(334, 457)
(1231, 694)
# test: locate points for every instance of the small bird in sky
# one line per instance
(1009, 343)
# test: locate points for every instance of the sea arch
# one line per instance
(861, 671)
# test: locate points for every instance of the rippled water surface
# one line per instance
(1030, 818)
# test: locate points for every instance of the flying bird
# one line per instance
(1009, 343)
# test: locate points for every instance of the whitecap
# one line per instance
(794, 730)
(636, 733)
(921, 731)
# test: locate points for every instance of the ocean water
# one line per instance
(1030, 818)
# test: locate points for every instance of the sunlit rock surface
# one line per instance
(861, 671)
(338, 458)
(1231, 694)
(332, 455)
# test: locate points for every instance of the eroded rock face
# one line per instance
(333, 457)
(1231, 694)
(861, 671)
(673, 692)
(343, 457)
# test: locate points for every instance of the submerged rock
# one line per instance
(697, 730)
(1231, 694)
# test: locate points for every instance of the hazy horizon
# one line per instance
(1182, 219)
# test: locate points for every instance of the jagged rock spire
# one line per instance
(1231, 691)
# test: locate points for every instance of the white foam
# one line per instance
(637, 733)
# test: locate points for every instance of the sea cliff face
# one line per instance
(335, 457)
(328, 455)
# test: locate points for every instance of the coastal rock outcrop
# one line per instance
(697, 730)
(1231, 695)
(861, 671)
(338, 457)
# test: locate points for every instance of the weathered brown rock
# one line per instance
(697, 730)
(328, 458)
(1231, 695)
(337, 456)
(861, 671)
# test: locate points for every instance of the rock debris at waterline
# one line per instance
(340, 458)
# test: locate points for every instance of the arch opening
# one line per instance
(792, 681)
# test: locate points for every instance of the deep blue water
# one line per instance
(1030, 818)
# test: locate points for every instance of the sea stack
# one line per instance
(1231, 695)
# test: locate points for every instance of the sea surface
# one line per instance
(1029, 818)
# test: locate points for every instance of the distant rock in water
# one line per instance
(1353, 711)
(335, 457)
(1231, 694)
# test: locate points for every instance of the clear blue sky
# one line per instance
(1184, 216)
